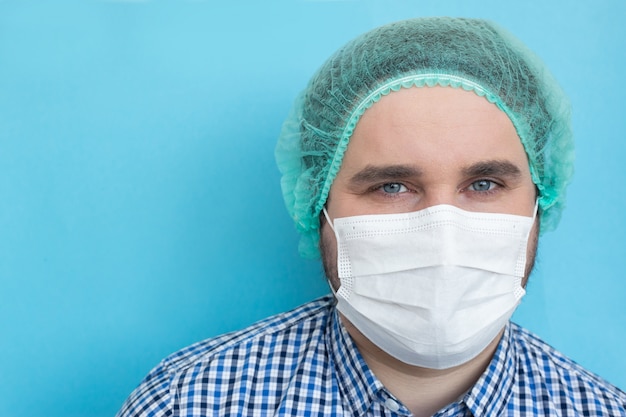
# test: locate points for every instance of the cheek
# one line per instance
(328, 251)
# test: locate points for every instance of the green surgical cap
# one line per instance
(472, 54)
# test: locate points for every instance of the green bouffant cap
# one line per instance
(472, 54)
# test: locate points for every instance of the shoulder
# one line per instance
(551, 377)
(307, 318)
(217, 365)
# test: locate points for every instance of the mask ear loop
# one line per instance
(521, 291)
(534, 218)
(330, 223)
(328, 219)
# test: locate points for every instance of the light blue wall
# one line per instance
(140, 208)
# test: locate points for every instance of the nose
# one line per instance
(438, 195)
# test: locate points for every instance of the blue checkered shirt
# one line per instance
(304, 363)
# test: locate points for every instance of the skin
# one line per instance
(417, 148)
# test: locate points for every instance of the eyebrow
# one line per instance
(372, 173)
(496, 168)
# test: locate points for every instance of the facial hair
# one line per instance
(328, 250)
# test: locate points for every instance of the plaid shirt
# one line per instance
(304, 363)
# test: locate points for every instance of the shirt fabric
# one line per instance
(304, 363)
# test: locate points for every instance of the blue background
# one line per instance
(140, 207)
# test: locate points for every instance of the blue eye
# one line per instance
(393, 188)
(482, 185)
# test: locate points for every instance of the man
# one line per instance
(422, 162)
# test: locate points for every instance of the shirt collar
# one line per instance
(489, 396)
(357, 383)
(360, 387)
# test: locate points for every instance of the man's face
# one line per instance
(420, 147)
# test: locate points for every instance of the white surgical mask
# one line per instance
(431, 288)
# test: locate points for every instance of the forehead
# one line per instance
(433, 125)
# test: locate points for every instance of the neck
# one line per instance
(424, 391)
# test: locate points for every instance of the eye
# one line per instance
(482, 185)
(393, 188)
